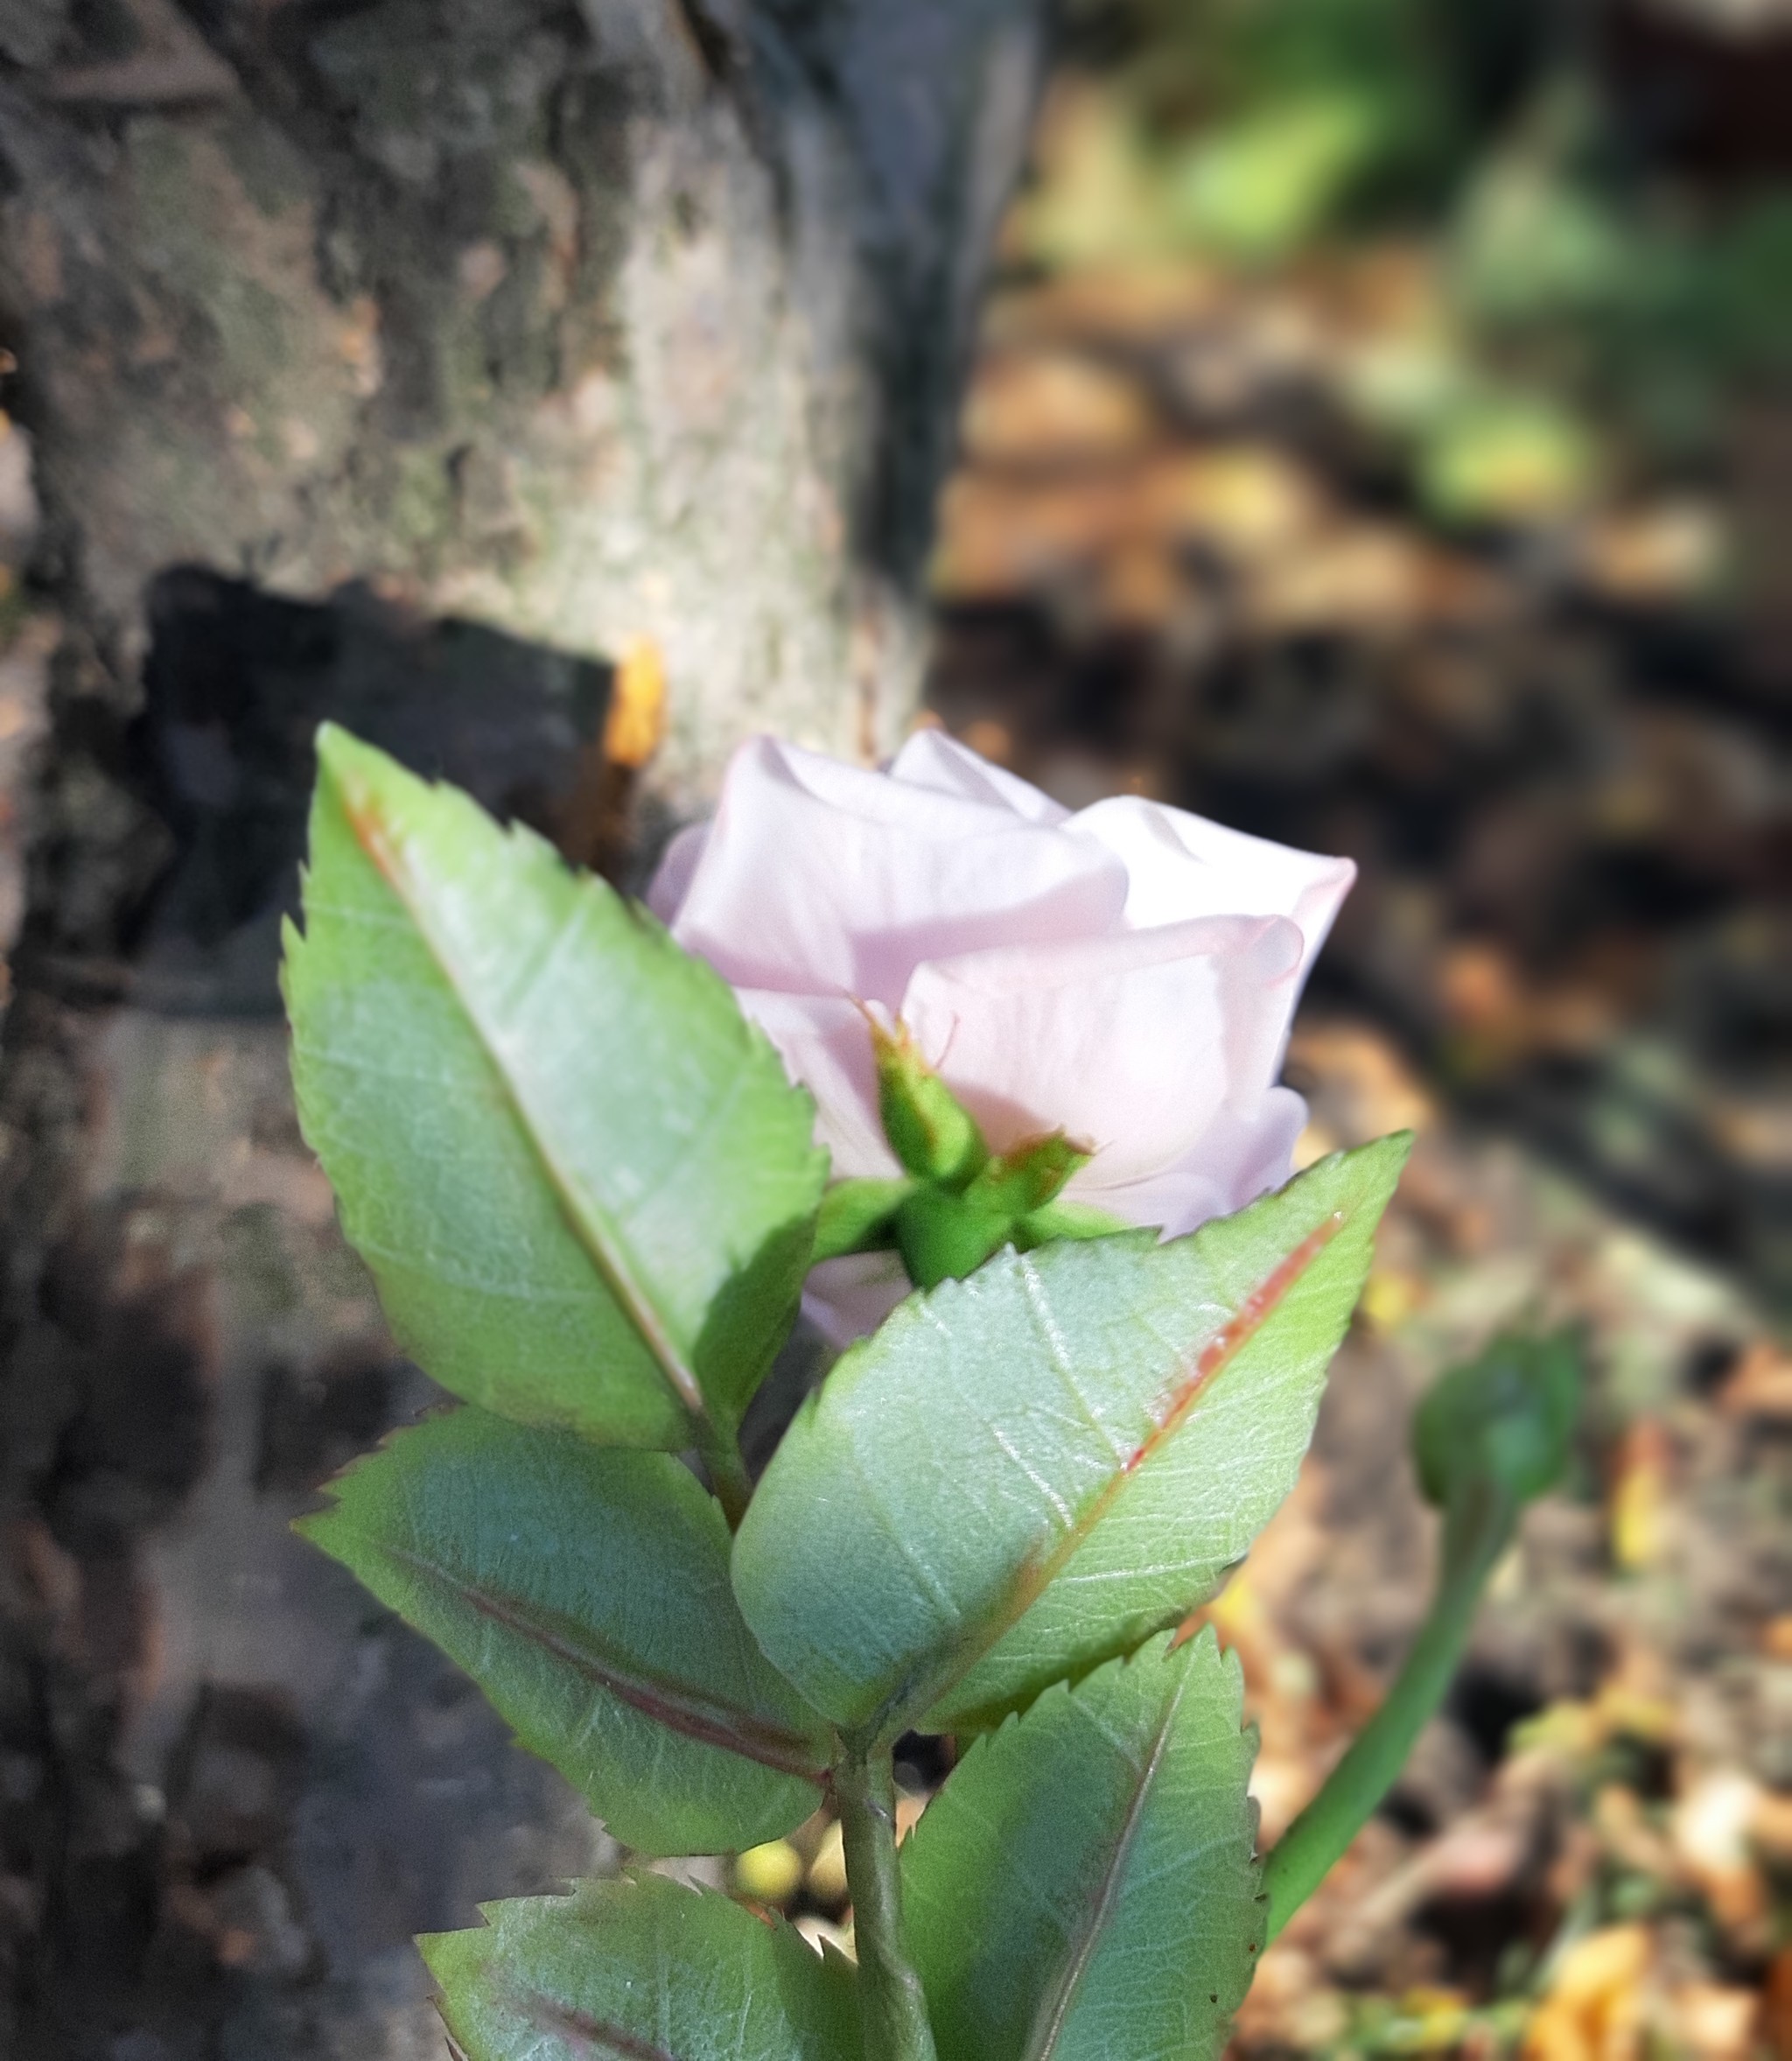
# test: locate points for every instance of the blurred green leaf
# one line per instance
(1504, 455)
(581, 1180)
(1085, 1886)
(587, 1593)
(1535, 236)
(1266, 182)
(643, 1971)
(1028, 1473)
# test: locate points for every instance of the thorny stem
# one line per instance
(1475, 1534)
(895, 2012)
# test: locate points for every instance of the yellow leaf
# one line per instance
(637, 718)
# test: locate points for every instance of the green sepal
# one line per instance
(587, 1591)
(859, 1215)
(929, 1129)
(1505, 1421)
(944, 1237)
(1060, 1219)
(944, 1232)
(643, 1969)
(1023, 1181)
(959, 1205)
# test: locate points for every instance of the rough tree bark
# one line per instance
(403, 360)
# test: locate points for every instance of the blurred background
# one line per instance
(1381, 440)
(1379, 443)
(1376, 435)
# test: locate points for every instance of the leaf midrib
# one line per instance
(599, 2036)
(371, 834)
(709, 1723)
(1034, 1576)
(1052, 2024)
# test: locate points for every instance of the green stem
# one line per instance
(726, 1467)
(895, 2011)
(1475, 1536)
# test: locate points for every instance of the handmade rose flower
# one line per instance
(1125, 974)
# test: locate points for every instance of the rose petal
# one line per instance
(1244, 1154)
(1180, 866)
(678, 867)
(818, 877)
(826, 1046)
(848, 1297)
(932, 759)
(1133, 1042)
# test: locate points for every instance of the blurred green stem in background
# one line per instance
(1488, 1439)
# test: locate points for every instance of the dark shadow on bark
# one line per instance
(248, 1786)
(602, 320)
(223, 756)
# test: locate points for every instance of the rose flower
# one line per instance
(1125, 974)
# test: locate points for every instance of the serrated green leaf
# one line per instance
(587, 1591)
(584, 1185)
(1085, 1885)
(1027, 1473)
(640, 1970)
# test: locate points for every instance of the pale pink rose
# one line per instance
(1125, 974)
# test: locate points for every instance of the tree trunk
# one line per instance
(404, 360)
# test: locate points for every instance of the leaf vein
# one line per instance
(725, 1726)
(1045, 2044)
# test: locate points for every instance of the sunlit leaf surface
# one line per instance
(640, 1970)
(1085, 1887)
(586, 1591)
(582, 1182)
(1027, 1473)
